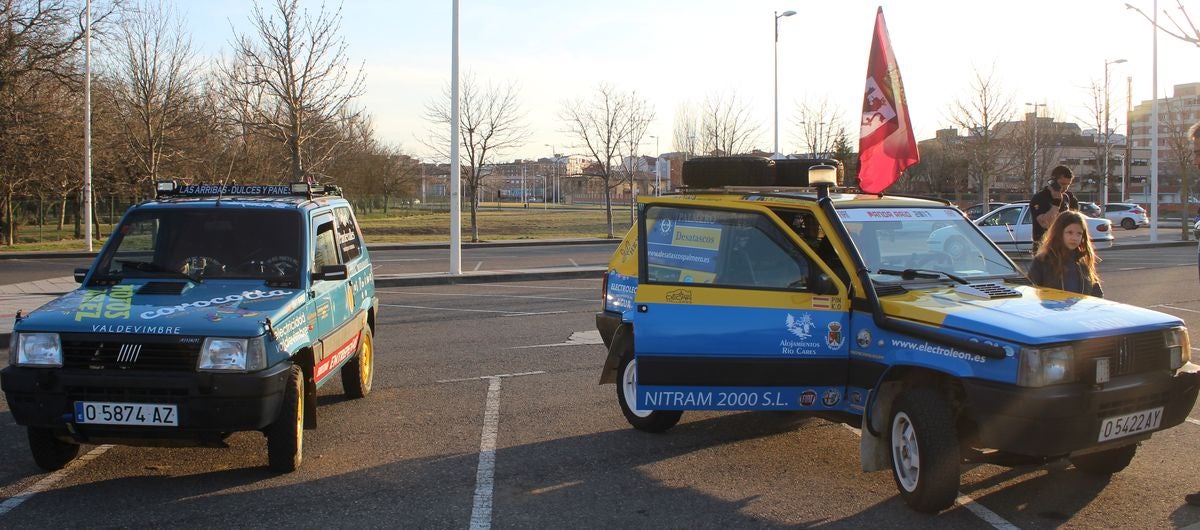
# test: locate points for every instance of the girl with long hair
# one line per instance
(1065, 259)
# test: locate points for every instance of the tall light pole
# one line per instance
(1033, 181)
(455, 163)
(778, 16)
(1107, 132)
(657, 179)
(554, 168)
(87, 132)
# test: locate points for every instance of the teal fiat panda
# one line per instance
(212, 309)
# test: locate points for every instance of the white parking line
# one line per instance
(51, 479)
(485, 473)
(979, 510)
(1175, 308)
(523, 287)
(1192, 421)
(573, 262)
(478, 265)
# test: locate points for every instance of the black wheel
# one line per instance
(1128, 224)
(285, 437)
(50, 453)
(359, 373)
(925, 454)
(1105, 462)
(642, 420)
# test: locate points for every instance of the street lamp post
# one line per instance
(778, 15)
(1033, 181)
(1107, 131)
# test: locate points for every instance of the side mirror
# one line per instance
(332, 273)
(80, 274)
(823, 284)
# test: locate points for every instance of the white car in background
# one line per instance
(1126, 214)
(1010, 227)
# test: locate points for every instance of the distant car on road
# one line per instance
(976, 211)
(1010, 227)
(1091, 209)
(1127, 214)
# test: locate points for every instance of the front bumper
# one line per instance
(1062, 419)
(210, 405)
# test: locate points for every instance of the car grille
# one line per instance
(1127, 354)
(129, 353)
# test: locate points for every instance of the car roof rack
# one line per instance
(170, 188)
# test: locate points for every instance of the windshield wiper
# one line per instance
(929, 274)
(150, 266)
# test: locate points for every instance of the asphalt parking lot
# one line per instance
(486, 412)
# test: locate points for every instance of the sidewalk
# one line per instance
(26, 297)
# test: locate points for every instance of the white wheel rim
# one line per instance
(629, 387)
(906, 455)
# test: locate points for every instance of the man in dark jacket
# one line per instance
(1053, 199)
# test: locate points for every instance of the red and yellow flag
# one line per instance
(886, 146)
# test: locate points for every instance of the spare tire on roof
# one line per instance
(719, 171)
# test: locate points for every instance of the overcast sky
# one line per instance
(678, 51)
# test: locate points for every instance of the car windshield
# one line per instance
(892, 240)
(201, 243)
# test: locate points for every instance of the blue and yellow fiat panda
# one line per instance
(753, 290)
(211, 310)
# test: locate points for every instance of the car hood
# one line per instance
(231, 308)
(1036, 316)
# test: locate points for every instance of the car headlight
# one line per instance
(36, 349)
(220, 354)
(1179, 347)
(1046, 366)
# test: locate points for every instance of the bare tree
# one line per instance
(491, 123)
(1178, 25)
(639, 117)
(39, 40)
(726, 126)
(987, 106)
(1179, 150)
(299, 63)
(685, 130)
(820, 126)
(156, 79)
(600, 125)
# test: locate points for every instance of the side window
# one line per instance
(138, 243)
(734, 249)
(325, 249)
(347, 234)
(1007, 216)
(1028, 217)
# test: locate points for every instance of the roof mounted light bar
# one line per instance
(170, 188)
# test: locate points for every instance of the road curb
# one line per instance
(489, 276)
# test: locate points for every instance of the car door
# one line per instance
(1001, 226)
(327, 298)
(729, 316)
